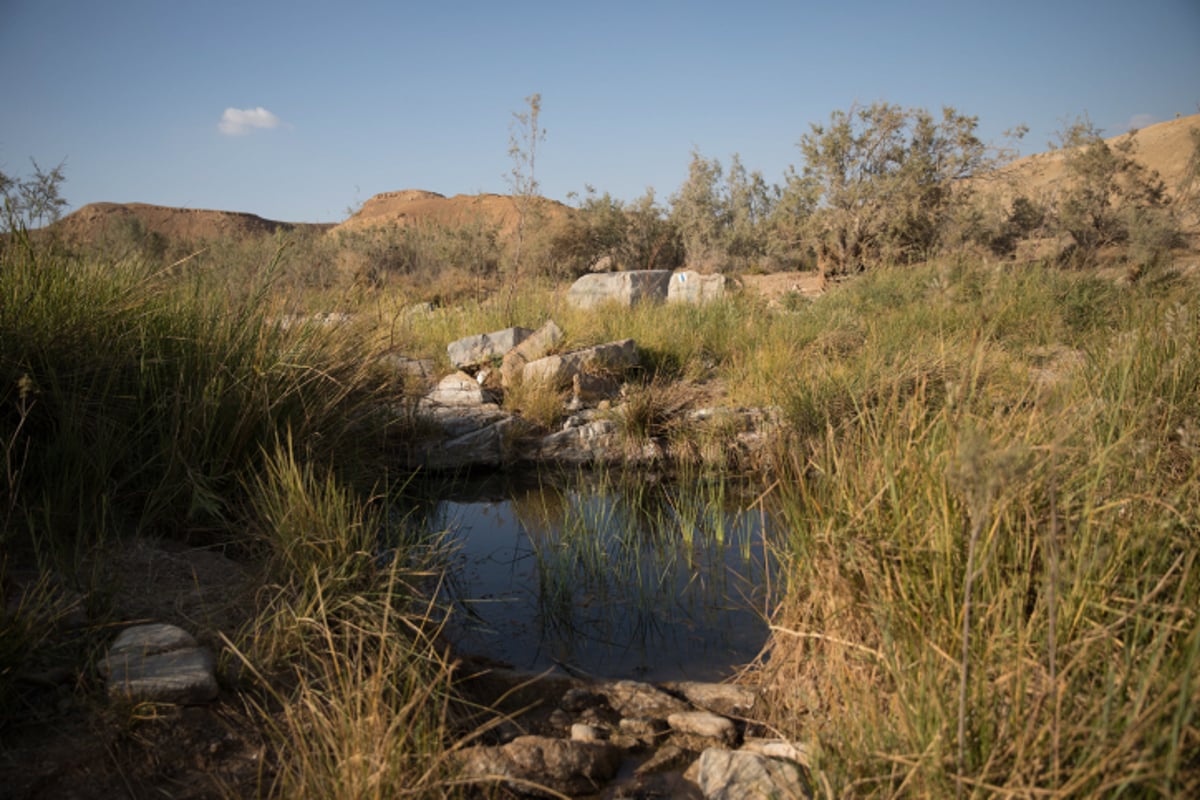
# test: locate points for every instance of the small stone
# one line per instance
(581, 732)
(776, 748)
(458, 389)
(705, 724)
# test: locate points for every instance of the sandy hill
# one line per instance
(1164, 148)
(414, 206)
(95, 221)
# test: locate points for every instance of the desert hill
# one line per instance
(1164, 148)
(414, 206)
(95, 221)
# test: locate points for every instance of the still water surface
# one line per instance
(652, 580)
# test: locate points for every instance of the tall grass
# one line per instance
(132, 402)
(136, 402)
(353, 688)
(992, 584)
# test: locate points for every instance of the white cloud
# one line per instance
(1139, 121)
(240, 121)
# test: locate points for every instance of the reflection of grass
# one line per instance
(620, 554)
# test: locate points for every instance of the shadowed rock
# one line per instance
(159, 663)
(564, 766)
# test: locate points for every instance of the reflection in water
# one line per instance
(637, 580)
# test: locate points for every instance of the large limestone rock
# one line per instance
(484, 347)
(623, 288)
(161, 664)
(560, 370)
(689, 286)
(537, 345)
(564, 766)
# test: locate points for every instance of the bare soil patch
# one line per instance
(779, 285)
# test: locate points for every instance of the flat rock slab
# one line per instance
(161, 664)
(636, 699)
(483, 348)
(567, 767)
(723, 698)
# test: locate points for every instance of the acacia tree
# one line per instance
(881, 177)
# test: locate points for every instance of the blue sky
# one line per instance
(326, 104)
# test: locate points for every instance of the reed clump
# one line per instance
(992, 581)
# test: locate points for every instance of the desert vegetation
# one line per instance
(986, 480)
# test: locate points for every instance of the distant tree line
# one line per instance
(882, 184)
